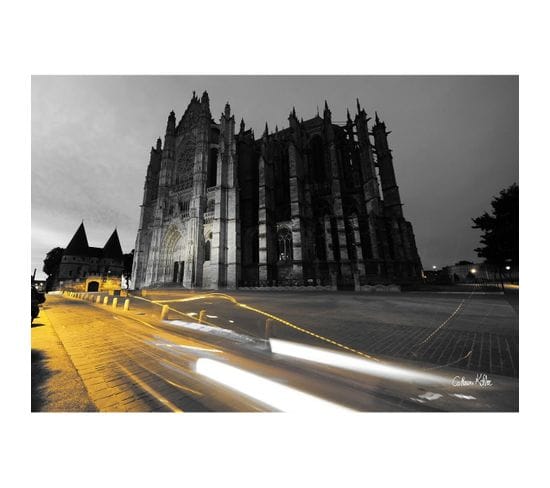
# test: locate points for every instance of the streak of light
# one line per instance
(429, 395)
(183, 346)
(282, 321)
(212, 330)
(179, 386)
(280, 397)
(464, 397)
(352, 363)
(212, 316)
(151, 391)
(188, 299)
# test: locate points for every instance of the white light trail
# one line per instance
(352, 363)
(219, 331)
(279, 396)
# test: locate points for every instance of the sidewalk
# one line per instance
(55, 384)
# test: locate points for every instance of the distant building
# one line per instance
(82, 263)
(314, 203)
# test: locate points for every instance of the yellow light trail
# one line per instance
(151, 391)
(278, 319)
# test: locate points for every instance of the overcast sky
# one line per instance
(454, 141)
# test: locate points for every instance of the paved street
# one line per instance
(477, 332)
(133, 361)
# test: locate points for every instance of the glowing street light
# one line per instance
(434, 267)
(473, 271)
(508, 268)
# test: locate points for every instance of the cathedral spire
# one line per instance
(326, 113)
(204, 98)
(376, 117)
(227, 110)
(266, 131)
(159, 144)
(171, 124)
(358, 106)
(242, 126)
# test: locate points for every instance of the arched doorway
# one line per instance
(93, 286)
(172, 261)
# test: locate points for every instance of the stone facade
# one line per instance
(81, 261)
(315, 204)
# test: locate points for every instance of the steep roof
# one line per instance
(112, 248)
(79, 242)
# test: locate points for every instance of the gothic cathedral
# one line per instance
(316, 203)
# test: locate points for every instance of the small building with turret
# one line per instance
(81, 261)
(313, 204)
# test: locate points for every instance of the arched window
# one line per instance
(212, 168)
(284, 245)
(350, 238)
(317, 159)
(320, 242)
(207, 251)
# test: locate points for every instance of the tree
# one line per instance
(500, 230)
(128, 263)
(51, 265)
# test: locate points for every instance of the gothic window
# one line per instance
(184, 208)
(212, 168)
(284, 245)
(282, 184)
(186, 162)
(350, 240)
(320, 243)
(207, 251)
(210, 206)
(317, 159)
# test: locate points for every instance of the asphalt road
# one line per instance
(133, 361)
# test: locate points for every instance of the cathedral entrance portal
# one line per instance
(172, 257)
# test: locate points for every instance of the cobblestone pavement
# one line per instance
(119, 371)
(134, 362)
(476, 332)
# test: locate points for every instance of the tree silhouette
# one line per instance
(500, 230)
(51, 265)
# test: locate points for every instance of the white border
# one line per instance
(60, 37)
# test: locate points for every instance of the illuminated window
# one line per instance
(284, 245)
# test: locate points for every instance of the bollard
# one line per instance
(202, 313)
(115, 302)
(126, 304)
(164, 312)
(106, 301)
(98, 299)
(269, 323)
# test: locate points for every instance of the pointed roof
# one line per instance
(79, 242)
(112, 248)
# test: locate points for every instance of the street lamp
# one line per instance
(434, 267)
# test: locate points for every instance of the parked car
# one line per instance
(36, 299)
